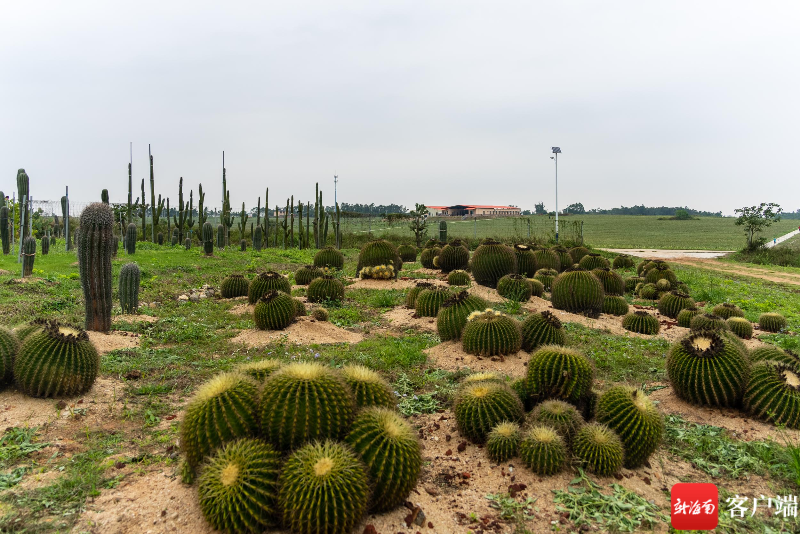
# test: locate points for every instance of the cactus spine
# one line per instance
(129, 278)
(94, 257)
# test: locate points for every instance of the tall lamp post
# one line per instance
(556, 151)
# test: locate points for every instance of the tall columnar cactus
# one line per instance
(547, 259)
(559, 373)
(490, 333)
(208, 238)
(368, 387)
(772, 322)
(329, 257)
(741, 327)
(389, 447)
(182, 213)
(23, 190)
(274, 311)
(303, 402)
(408, 253)
(562, 416)
(258, 239)
(222, 410)
(65, 215)
(672, 303)
(543, 450)
(4, 229)
(641, 322)
(234, 285)
(526, 261)
(542, 329)
(636, 420)
(613, 284)
(220, 236)
(56, 361)
(514, 287)
(707, 369)
(325, 288)
(324, 489)
(28, 255)
(599, 448)
(160, 238)
(708, 322)
(129, 278)
(593, 261)
(546, 277)
(454, 256)
(614, 305)
(502, 443)
(266, 281)
(9, 346)
(773, 393)
(429, 301)
(480, 406)
(130, 238)
(491, 261)
(376, 253)
(94, 256)
(453, 313)
(238, 488)
(187, 243)
(578, 291)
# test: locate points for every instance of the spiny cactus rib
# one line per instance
(741, 327)
(480, 406)
(686, 315)
(599, 449)
(329, 257)
(578, 253)
(259, 370)
(772, 322)
(56, 361)
(304, 402)
(323, 489)
(593, 261)
(274, 311)
(304, 275)
(265, 282)
(564, 257)
(547, 259)
(633, 416)
(429, 301)
(413, 293)
(562, 416)
(234, 285)
(641, 322)
(706, 369)
(379, 253)
(129, 278)
(491, 261)
(490, 333)
(546, 277)
(238, 487)
(708, 321)
(325, 288)
(578, 291)
(773, 393)
(459, 278)
(9, 346)
(389, 447)
(222, 410)
(613, 284)
(514, 287)
(559, 373)
(368, 387)
(502, 443)
(773, 353)
(726, 310)
(613, 305)
(526, 261)
(543, 451)
(542, 329)
(672, 303)
(453, 314)
(453, 256)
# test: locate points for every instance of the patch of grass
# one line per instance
(17, 443)
(512, 510)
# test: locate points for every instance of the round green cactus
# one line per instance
(633, 416)
(222, 410)
(429, 254)
(613, 284)
(613, 305)
(320, 314)
(274, 311)
(368, 387)
(389, 447)
(502, 444)
(659, 272)
(329, 257)
(428, 301)
(663, 285)
(526, 261)
(599, 449)
(325, 288)
(304, 402)
(24, 330)
(491, 261)
(726, 310)
(593, 261)
(578, 291)
(564, 257)
(408, 253)
(708, 321)
(490, 333)
(413, 293)
(377, 253)
(772, 353)
(707, 369)
(741, 327)
(542, 329)
(547, 259)
(559, 373)
(454, 256)
(562, 416)
(537, 288)
(648, 292)
(543, 451)
(546, 277)
(773, 393)
(324, 489)
(259, 370)
(238, 488)
(56, 361)
(641, 322)
(453, 314)
(304, 275)
(234, 285)
(9, 346)
(632, 282)
(686, 315)
(459, 278)
(520, 387)
(484, 376)
(772, 322)
(299, 308)
(578, 253)
(623, 261)
(267, 281)
(671, 304)
(479, 406)
(514, 287)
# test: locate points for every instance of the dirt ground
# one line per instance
(306, 331)
(113, 341)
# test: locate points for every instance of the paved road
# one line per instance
(668, 254)
(782, 238)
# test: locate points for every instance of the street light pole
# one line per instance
(556, 151)
(335, 181)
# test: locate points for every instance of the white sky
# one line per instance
(658, 103)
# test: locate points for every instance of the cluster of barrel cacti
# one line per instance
(378, 259)
(302, 445)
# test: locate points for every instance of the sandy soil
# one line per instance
(243, 309)
(368, 283)
(402, 318)
(126, 318)
(306, 331)
(449, 355)
(113, 341)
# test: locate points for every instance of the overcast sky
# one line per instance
(659, 103)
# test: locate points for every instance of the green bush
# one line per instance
(578, 291)
(490, 333)
(633, 416)
(480, 406)
(542, 329)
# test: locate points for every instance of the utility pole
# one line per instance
(335, 181)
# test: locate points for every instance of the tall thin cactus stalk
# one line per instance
(300, 233)
(242, 222)
(143, 213)
(94, 258)
(23, 187)
(182, 213)
(155, 208)
(201, 211)
(190, 215)
(276, 226)
(291, 213)
(65, 214)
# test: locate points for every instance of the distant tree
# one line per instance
(757, 218)
(540, 209)
(682, 215)
(576, 209)
(419, 222)
(525, 212)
